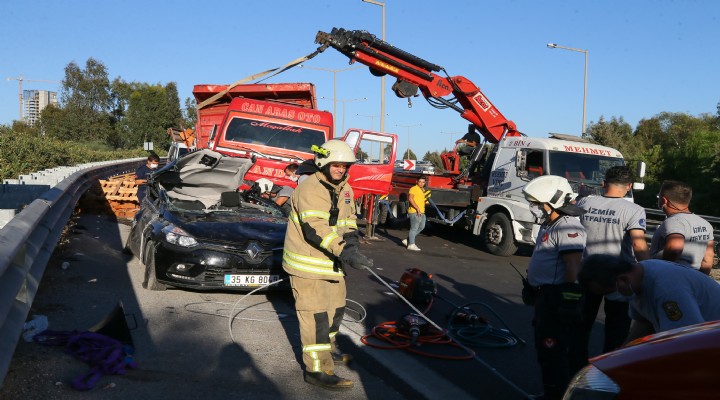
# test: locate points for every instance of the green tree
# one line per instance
(25, 129)
(173, 113)
(434, 159)
(615, 133)
(85, 105)
(695, 162)
(190, 112)
(151, 111)
(408, 154)
(87, 88)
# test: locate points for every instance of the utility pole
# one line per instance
(451, 136)
(408, 135)
(382, 79)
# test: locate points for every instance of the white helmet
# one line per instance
(333, 151)
(264, 184)
(551, 189)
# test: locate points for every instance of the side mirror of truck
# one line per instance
(640, 173)
(520, 160)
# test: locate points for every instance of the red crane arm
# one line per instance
(414, 73)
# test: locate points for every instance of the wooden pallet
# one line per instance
(116, 195)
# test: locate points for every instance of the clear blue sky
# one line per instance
(645, 57)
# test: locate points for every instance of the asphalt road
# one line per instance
(187, 347)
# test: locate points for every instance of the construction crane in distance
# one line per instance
(20, 80)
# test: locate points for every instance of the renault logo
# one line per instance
(254, 249)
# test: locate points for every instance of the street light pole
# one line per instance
(451, 136)
(382, 79)
(372, 120)
(334, 72)
(408, 128)
(556, 46)
(343, 110)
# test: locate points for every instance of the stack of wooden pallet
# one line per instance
(116, 195)
(121, 194)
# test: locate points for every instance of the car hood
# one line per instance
(231, 226)
(658, 361)
(202, 175)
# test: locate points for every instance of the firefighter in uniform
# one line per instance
(321, 239)
(552, 272)
(614, 226)
(683, 237)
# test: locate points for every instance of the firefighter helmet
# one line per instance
(550, 189)
(333, 151)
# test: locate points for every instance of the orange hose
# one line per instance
(388, 332)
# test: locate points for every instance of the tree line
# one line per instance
(111, 114)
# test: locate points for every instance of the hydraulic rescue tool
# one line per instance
(410, 333)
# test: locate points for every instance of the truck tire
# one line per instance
(497, 235)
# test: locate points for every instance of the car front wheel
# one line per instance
(151, 281)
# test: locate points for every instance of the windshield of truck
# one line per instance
(584, 169)
(273, 134)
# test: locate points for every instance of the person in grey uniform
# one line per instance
(615, 226)
(683, 237)
(663, 295)
(552, 272)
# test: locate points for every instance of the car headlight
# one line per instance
(178, 237)
(591, 383)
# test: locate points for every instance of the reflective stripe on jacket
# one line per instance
(311, 244)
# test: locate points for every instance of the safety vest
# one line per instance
(312, 243)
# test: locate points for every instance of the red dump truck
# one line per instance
(277, 124)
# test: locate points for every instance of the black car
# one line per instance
(195, 229)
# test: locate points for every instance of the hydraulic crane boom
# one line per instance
(414, 73)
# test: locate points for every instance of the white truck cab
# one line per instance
(502, 215)
(177, 150)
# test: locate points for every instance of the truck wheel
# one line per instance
(151, 281)
(498, 236)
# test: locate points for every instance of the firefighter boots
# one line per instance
(328, 380)
(341, 358)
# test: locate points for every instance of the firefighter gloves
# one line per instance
(351, 257)
(352, 238)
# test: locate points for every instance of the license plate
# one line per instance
(250, 280)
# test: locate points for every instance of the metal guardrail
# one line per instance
(656, 217)
(27, 241)
(714, 221)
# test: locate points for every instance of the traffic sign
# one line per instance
(409, 165)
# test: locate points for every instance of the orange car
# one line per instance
(676, 364)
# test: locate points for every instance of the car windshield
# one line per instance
(273, 134)
(241, 203)
(585, 172)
